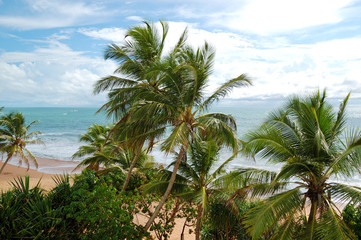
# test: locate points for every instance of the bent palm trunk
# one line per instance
(167, 192)
(6, 161)
(129, 174)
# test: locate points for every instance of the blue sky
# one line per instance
(51, 51)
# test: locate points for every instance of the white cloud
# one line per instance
(109, 34)
(58, 75)
(54, 75)
(264, 17)
(54, 13)
(135, 18)
(280, 69)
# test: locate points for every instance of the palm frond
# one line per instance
(278, 207)
(110, 82)
(269, 143)
(331, 226)
(179, 136)
(345, 193)
(241, 81)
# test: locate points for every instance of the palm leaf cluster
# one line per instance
(107, 152)
(306, 138)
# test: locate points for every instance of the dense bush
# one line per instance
(26, 213)
(89, 209)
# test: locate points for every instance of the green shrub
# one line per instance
(97, 209)
(224, 220)
(13, 205)
(352, 217)
(90, 209)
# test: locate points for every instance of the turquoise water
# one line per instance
(61, 127)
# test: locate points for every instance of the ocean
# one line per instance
(62, 126)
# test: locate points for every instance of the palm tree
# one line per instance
(97, 150)
(305, 137)
(14, 137)
(181, 103)
(107, 151)
(141, 51)
(165, 92)
(198, 179)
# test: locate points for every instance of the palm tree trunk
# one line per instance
(312, 218)
(167, 192)
(129, 174)
(312, 215)
(6, 161)
(199, 219)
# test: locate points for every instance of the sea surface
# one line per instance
(62, 126)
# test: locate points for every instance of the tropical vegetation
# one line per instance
(167, 92)
(308, 139)
(90, 208)
(198, 179)
(157, 98)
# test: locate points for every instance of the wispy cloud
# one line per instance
(44, 14)
(109, 34)
(54, 75)
(135, 18)
(264, 17)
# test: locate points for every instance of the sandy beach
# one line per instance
(46, 170)
(11, 172)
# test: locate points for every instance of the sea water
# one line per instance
(62, 127)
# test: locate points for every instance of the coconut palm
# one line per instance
(108, 152)
(142, 49)
(15, 136)
(97, 151)
(198, 179)
(181, 105)
(165, 92)
(305, 138)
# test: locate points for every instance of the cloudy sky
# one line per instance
(51, 51)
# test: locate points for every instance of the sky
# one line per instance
(51, 51)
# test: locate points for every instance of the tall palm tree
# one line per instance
(141, 51)
(198, 179)
(181, 105)
(15, 136)
(305, 137)
(167, 91)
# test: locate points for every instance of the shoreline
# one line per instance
(47, 169)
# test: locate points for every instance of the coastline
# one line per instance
(47, 169)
